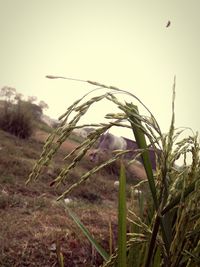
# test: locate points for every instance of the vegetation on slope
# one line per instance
(168, 235)
(33, 224)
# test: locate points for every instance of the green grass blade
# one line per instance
(84, 230)
(60, 256)
(122, 218)
(141, 142)
(157, 258)
(136, 124)
(152, 242)
(61, 260)
(135, 251)
(141, 201)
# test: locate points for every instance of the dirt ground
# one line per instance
(41, 136)
(34, 228)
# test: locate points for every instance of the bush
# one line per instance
(17, 120)
(16, 115)
(34, 109)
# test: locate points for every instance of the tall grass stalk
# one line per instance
(85, 231)
(122, 219)
(165, 231)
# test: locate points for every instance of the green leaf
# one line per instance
(136, 124)
(157, 258)
(84, 230)
(122, 218)
(133, 114)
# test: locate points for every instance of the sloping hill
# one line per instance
(32, 222)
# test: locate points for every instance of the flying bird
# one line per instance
(168, 24)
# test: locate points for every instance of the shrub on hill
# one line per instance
(15, 114)
(17, 120)
(18, 116)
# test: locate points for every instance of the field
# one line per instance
(33, 226)
(37, 230)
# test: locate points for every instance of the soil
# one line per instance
(35, 229)
(41, 136)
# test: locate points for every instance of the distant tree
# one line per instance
(43, 105)
(15, 117)
(18, 97)
(7, 93)
(32, 99)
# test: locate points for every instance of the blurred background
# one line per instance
(138, 46)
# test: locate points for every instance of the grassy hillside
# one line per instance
(32, 223)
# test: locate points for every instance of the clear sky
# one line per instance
(124, 43)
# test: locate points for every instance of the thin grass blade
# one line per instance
(122, 218)
(141, 142)
(85, 231)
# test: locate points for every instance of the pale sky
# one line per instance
(124, 43)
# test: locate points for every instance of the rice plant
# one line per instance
(166, 231)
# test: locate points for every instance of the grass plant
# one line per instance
(166, 230)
